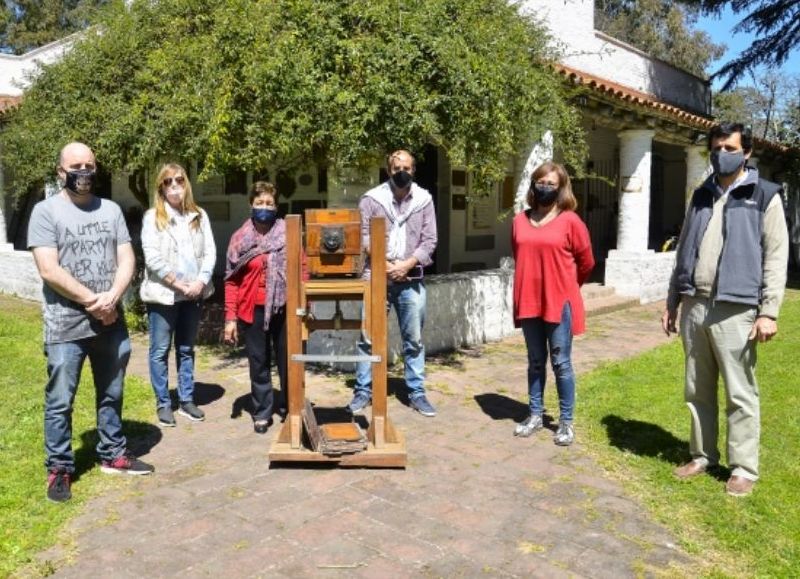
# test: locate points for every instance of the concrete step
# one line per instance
(595, 290)
(600, 299)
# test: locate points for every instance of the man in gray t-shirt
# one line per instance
(83, 252)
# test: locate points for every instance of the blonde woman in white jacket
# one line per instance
(179, 256)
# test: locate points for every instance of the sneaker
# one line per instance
(565, 435)
(261, 426)
(126, 464)
(359, 402)
(528, 426)
(421, 405)
(192, 412)
(165, 417)
(58, 486)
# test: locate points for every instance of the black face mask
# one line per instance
(401, 179)
(81, 181)
(545, 194)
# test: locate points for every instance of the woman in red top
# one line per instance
(553, 255)
(255, 298)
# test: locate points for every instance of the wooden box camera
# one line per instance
(333, 242)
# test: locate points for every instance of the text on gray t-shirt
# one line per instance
(86, 239)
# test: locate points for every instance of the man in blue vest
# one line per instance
(729, 279)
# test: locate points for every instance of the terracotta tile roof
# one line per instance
(628, 95)
(8, 102)
(631, 96)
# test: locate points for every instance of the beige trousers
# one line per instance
(715, 342)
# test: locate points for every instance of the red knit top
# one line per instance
(248, 288)
(551, 263)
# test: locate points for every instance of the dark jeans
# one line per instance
(108, 355)
(258, 344)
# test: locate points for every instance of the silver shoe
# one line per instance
(530, 425)
(565, 435)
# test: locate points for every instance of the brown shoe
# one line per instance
(689, 470)
(738, 486)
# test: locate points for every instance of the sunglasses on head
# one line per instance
(179, 180)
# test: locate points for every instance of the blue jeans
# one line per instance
(108, 354)
(179, 320)
(408, 300)
(541, 336)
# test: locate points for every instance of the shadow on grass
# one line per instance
(646, 439)
(142, 437)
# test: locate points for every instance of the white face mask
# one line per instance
(174, 195)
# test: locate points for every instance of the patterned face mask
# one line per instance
(81, 181)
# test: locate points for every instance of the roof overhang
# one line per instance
(633, 99)
(8, 102)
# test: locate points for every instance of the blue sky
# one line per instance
(719, 28)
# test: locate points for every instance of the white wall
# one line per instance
(591, 51)
(14, 69)
(18, 275)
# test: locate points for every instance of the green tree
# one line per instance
(28, 24)
(769, 104)
(777, 28)
(243, 83)
(660, 28)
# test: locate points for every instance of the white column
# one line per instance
(542, 151)
(697, 168)
(634, 200)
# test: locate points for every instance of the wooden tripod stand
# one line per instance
(385, 445)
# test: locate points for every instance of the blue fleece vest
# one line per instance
(740, 270)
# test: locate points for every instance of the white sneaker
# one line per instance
(530, 425)
(565, 435)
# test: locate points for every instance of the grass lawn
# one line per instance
(633, 417)
(28, 521)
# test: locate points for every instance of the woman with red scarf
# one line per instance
(255, 298)
(553, 258)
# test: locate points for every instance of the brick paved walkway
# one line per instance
(474, 501)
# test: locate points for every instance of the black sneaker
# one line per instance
(126, 464)
(261, 426)
(165, 417)
(58, 486)
(192, 412)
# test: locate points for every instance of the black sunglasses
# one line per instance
(179, 180)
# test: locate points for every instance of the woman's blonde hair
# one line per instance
(566, 200)
(173, 170)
